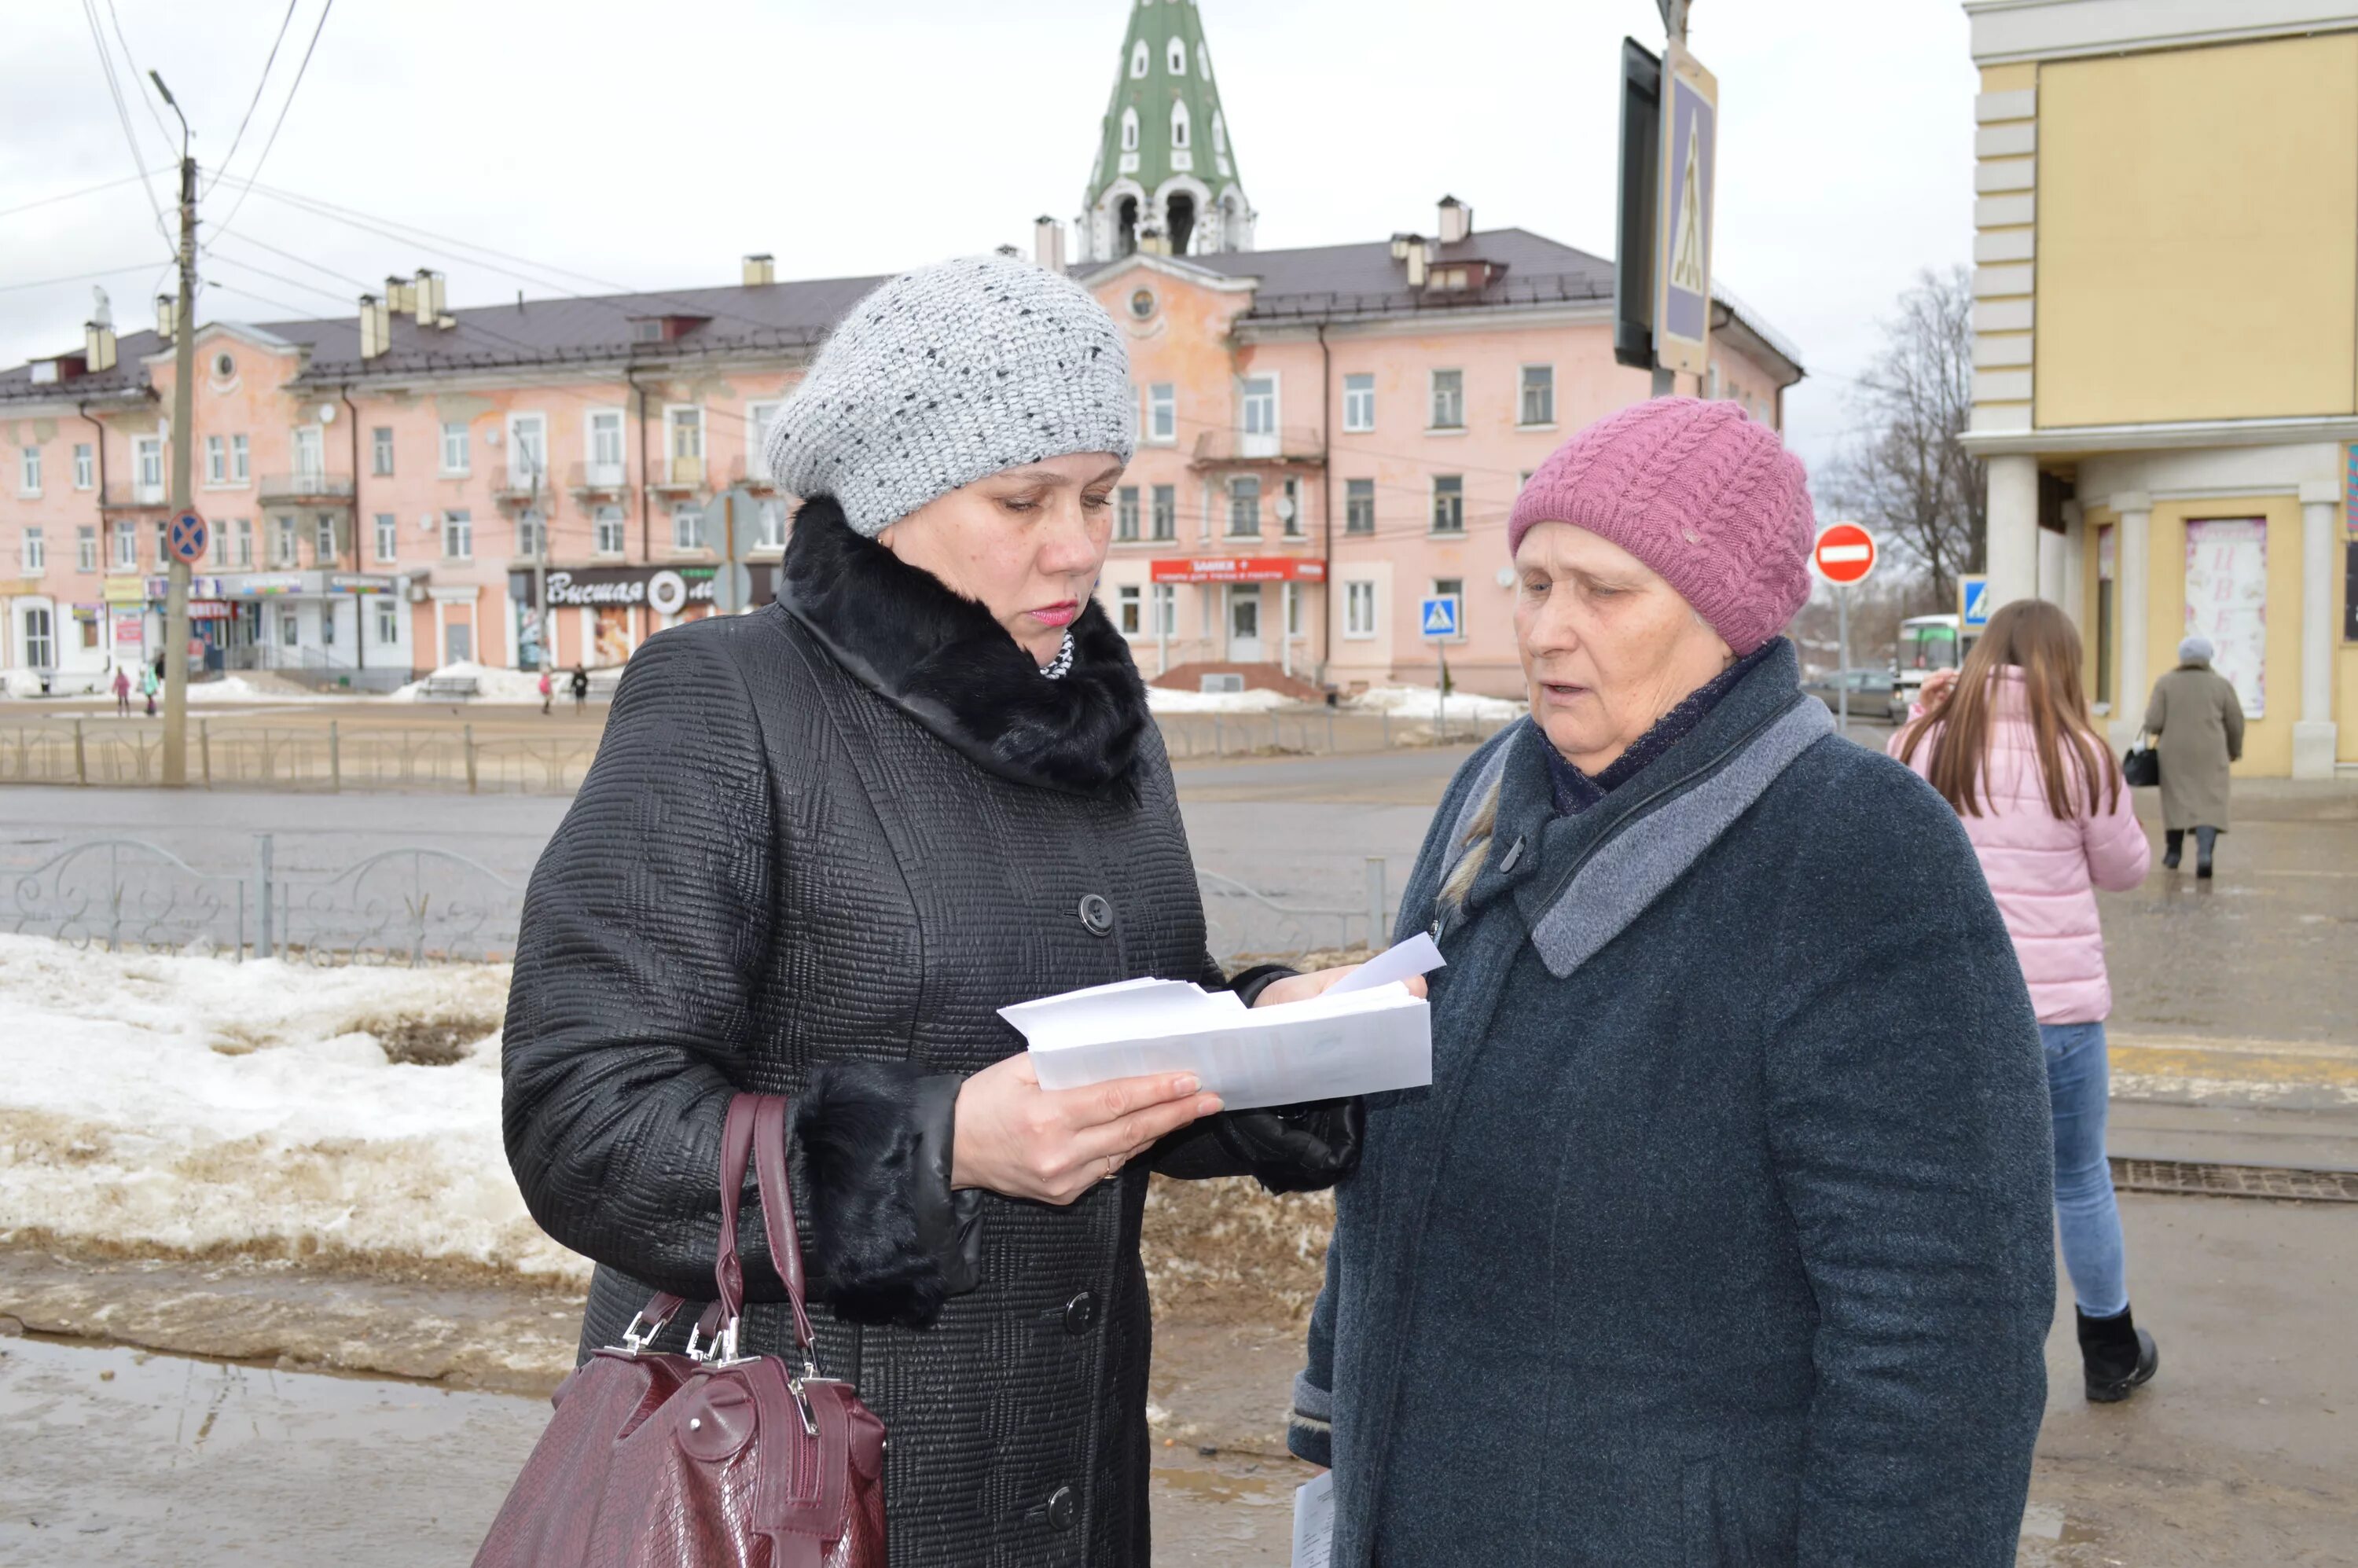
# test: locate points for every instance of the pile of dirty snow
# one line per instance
(493, 684)
(157, 1104)
(1420, 701)
(1160, 700)
(241, 691)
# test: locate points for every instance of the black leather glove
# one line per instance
(1294, 1148)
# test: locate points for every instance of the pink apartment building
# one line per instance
(1329, 436)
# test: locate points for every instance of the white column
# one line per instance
(433, 660)
(2013, 553)
(2070, 586)
(2130, 587)
(2314, 736)
(1285, 626)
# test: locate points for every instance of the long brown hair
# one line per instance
(2037, 639)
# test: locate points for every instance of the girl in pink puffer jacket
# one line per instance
(2010, 744)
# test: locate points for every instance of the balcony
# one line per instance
(598, 478)
(306, 486)
(522, 483)
(753, 474)
(682, 475)
(1294, 446)
(132, 497)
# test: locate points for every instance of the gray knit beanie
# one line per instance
(946, 375)
(2195, 650)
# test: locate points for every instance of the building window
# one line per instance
(686, 528)
(40, 644)
(454, 448)
(290, 627)
(283, 552)
(1163, 518)
(606, 530)
(1130, 612)
(527, 534)
(309, 462)
(1139, 59)
(1539, 396)
(1125, 514)
(1179, 124)
(769, 525)
(1359, 609)
(241, 541)
(1176, 57)
(85, 550)
(1453, 587)
(1289, 503)
(1359, 403)
(1449, 400)
(758, 418)
(1129, 126)
(381, 449)
(29, 474)
(458, 534)
(1244, 506)
(1166, 610)
(126, 546)
(216, 461)
(328, 625)
(1359, 506)
(323, 540)
(85, 467)
(1162, 413)
(388, 536)
(241, 459)
(1257, 411)
(1448, 504)
(388, 619)
(148, 466)
(37, 553)
(686, 444)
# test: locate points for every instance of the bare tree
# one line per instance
(1904, 472)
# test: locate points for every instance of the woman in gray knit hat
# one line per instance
(822, 845)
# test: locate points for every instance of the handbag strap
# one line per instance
(754, 1132)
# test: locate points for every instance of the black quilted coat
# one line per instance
(821, 845)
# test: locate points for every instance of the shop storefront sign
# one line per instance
(124, 591)
(1240, 569)
(358, 582)
(262, 585)
(665, 589)
(209, 610)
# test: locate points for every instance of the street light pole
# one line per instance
(184, 375)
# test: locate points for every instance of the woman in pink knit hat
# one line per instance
(1721, 1235)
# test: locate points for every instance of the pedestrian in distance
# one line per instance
(820, 846)
(580, 689)
(122, 692)
(2196, 722)
(148, 684)
(2011, 746)
(547, 688)
(1721, 1235)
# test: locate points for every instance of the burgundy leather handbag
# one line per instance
(709, 1459)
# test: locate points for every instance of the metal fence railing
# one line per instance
(417, 904)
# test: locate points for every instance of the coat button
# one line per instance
(1062, 1509)
(1081, 1312)
(1096, 914)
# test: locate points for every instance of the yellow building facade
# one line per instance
(2165, 345)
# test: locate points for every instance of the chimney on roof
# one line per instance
(1456, 220)
(1415, 252)
(168, 309)
(761, 268)
(97, 347)
(377, 325)
(400, 295)
(1048, 243)
(428, 303)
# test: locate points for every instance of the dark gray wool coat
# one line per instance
(821, 845)
(1721, 1235)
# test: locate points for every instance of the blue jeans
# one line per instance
(2077, 1088)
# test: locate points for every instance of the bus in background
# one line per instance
(1927, 642)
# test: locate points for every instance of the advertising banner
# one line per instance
(2227, 601)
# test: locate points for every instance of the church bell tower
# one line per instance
(1165, 176)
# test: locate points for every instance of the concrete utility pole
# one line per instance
(184, 376)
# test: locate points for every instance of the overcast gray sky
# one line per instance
(649, 145)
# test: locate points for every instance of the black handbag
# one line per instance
(2141, 767)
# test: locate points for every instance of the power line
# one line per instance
(280, 124)
(76, 195)
(156, 114)
(123, 114)
(78, 277)
(255, 101)
(244, 265)
(290, 255)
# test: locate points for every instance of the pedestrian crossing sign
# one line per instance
(1974, 600)
(1438, 615)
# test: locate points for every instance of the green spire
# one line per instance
(1165, 173)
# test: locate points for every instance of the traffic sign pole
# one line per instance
(1842, 682)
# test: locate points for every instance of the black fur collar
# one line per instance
(943, 659)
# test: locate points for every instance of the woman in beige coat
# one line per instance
(2197, 722)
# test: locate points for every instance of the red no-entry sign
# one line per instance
(1846, 553)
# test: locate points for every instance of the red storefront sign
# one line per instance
(1240, 569)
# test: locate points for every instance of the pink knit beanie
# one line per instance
(1702, 494)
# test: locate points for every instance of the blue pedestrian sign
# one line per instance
(1974, 602)
(187, 536)
(1437, 617)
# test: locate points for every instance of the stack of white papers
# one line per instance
(1365, 1035)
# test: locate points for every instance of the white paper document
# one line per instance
(1356, 1039)
(1313, 1522)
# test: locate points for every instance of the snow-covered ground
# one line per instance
(1162, 700)
(1420, 702)
(492, 684)
(188, 1104)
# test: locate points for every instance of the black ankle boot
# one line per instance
(2206, 840)
(2117, 1355)
(2173, 843)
